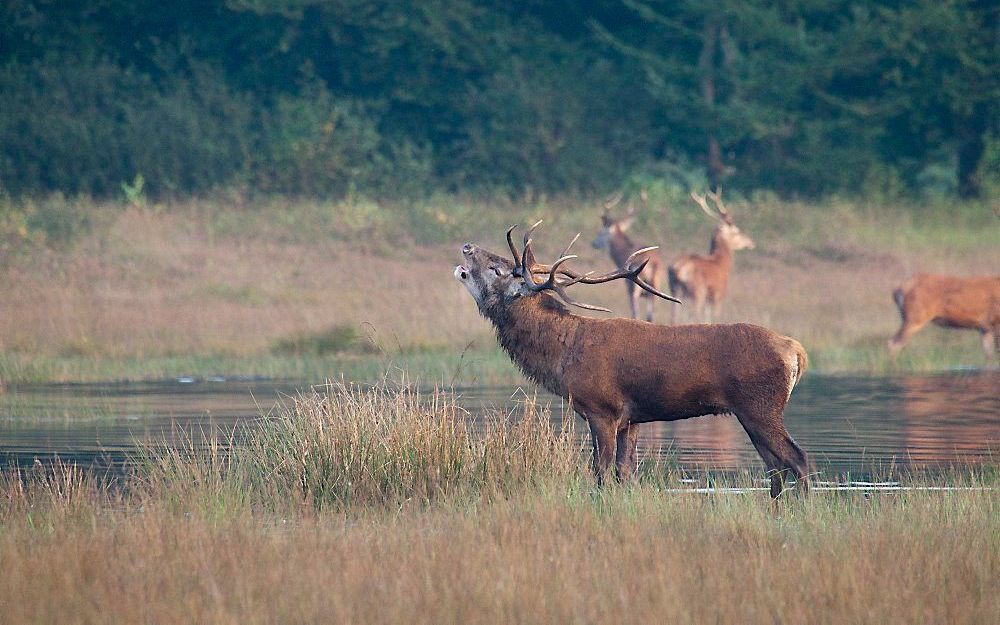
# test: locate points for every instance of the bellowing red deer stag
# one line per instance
(951, 302)
(612, 236)
(706, 278)
(618, 373)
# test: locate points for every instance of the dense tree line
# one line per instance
(392, 97)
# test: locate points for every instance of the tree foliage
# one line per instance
(327, 97)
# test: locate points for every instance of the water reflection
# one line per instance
(846, 424)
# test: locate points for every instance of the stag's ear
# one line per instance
(626, 223)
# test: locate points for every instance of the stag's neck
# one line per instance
(621, 247)
(720, 252)
(537, 332)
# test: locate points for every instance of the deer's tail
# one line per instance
(801, 363)
(898, 294)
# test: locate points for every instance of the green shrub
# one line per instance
(337, 339)
(85, 128)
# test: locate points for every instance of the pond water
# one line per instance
(846, 424)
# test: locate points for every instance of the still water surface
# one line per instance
(846, 424)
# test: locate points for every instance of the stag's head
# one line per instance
(726, 230)
(488, 277)
(610, 226)
(494, 281)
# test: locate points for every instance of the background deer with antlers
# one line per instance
(705, 279)
(612, 236)
(619, 373)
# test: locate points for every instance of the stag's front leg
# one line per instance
(602, 435)
(625, 454)
(990, 342)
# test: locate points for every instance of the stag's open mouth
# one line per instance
(461, 273)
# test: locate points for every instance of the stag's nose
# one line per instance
(467, 248)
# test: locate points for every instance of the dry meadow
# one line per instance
(226, 288)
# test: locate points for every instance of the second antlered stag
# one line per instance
(620, 246)
(705, 279)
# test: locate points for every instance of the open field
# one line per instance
(318, 290)
(380, 506)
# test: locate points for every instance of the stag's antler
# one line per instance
(721, 214)
(612, 201)
(716, 196)
(627, 271)
(703, 203)
(526, 267)
(526, 258)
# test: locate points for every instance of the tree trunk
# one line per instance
(971, 145)
(706, 70)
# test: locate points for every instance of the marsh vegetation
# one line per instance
(498, 523)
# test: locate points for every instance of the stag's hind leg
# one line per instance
(625, 454)
(781, 455)
(910, 323)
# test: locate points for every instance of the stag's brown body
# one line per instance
(949, 301)
(618, 373)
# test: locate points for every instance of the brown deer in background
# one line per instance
(706, 278)
(951, 302)
(612, 236)
(618, 373)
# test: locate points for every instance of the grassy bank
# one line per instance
(314, 290)
(382, 506)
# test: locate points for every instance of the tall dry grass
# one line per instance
(379, 506)
(342, 447)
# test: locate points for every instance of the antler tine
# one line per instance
(628, 273)
(716, 196)
(551, 283)
(628, 261)
(510, 244)
(645, 286)
(703, 203)
(526, 248)
(569, 300)
(612, 201)
(566, 251)
(560, 287)
(633, 275)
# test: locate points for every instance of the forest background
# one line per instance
(402, 99)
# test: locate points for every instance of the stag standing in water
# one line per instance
(612, 236)
(706, 278)
(618, 373)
